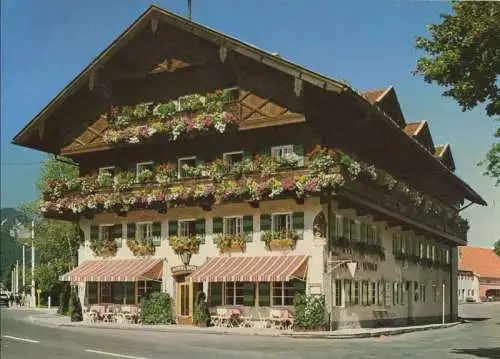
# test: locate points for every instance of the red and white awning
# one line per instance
(116, 270)
(251, 269)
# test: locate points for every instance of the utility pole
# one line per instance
(189, 10)
(24, 270)
(33, 263)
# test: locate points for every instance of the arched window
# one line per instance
(319, 225)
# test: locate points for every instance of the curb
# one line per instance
(388, 332)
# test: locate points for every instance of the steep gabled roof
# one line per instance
(443, 152)
(387, 100)
(386, 110)
(413, 128)
(480, 260)
(375, 95)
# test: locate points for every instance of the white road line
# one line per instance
(22, 339)
(113, 354)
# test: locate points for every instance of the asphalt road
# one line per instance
(22, 339)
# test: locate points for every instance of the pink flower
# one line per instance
(208, 121)
(287, 184)
(228, 117)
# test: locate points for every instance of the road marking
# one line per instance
(22, 339)
(113, 354)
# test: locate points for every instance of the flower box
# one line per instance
(276, 244)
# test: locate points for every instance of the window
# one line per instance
(106, 232)
(371, 235)
(416, 291)
(281, 222)
(144, 287)
(233, 225)
(282, 151)
(283, 292)
(233, 157)
(187, 228)
(92, 292)
(364, 292)
(346, 227)
(107, 171)
(435, 293)
(395, 293)
(338, 292)
(355, 293)
(472, 292)
(347, 291)
(214, 294)
(144, 230)
(186, 162)
(422, 293)
(355, 230)
(235, 293)
(144, 166)
(373, 293)
(381, 293)
(447, 256)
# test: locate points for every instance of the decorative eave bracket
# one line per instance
(222, 53)
(154, 25)
(297, 86)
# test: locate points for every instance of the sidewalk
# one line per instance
(55, 320)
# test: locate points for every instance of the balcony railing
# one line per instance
(252, 180)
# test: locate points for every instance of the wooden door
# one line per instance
(182, 303)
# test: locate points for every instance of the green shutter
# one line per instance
(199, 161)
(298, 220)
(117, 235)
(156, 233)
(200, 228)
(298, 223)
(363, 236)
(247, 155)
(332, 227)
(265, 151)
(172, 228)
(265, 222)
(217, 225)
(156, 229)
(248, 228)
(131, 230)
(299, 150)
(94, 233)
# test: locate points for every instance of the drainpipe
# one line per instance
(329, 256)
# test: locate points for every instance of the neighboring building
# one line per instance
(485, 264)
(468, 286)
(208, 164)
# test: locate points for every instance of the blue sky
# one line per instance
(369, 44)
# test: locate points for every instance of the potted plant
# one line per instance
(103, 248)
(142, 247)
(201, 313)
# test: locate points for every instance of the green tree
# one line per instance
(463, 55)
(497, 247)
(56, 241)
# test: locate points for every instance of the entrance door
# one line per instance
(182, 303)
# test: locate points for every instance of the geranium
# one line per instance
(203, 190)
(88, 183)
(105, 179)
(275, 187)
(145, 175)
(183, 244)
(123, 181)
(165, 173)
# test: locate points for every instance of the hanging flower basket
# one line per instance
(141, 248)
(182, 244)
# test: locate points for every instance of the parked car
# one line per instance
(4, 300)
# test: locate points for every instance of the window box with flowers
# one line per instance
(166, 173)
(186, 236)
(144, 237)
(102, 241)
(232, 233)
(281, 230)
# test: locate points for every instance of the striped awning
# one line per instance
(116, 270)
(251, 269)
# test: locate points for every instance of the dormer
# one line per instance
(443, 153)
(387, 100)
(421, 132)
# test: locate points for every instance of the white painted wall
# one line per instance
(468, 286)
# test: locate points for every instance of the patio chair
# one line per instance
(246, 321)
(275, 317)
(223, 317)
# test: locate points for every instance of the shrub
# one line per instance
(201, 315)
(63, 300)
(156, 308)
(75, 308)
(310, 313)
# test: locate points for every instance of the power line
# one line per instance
(20, 163)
